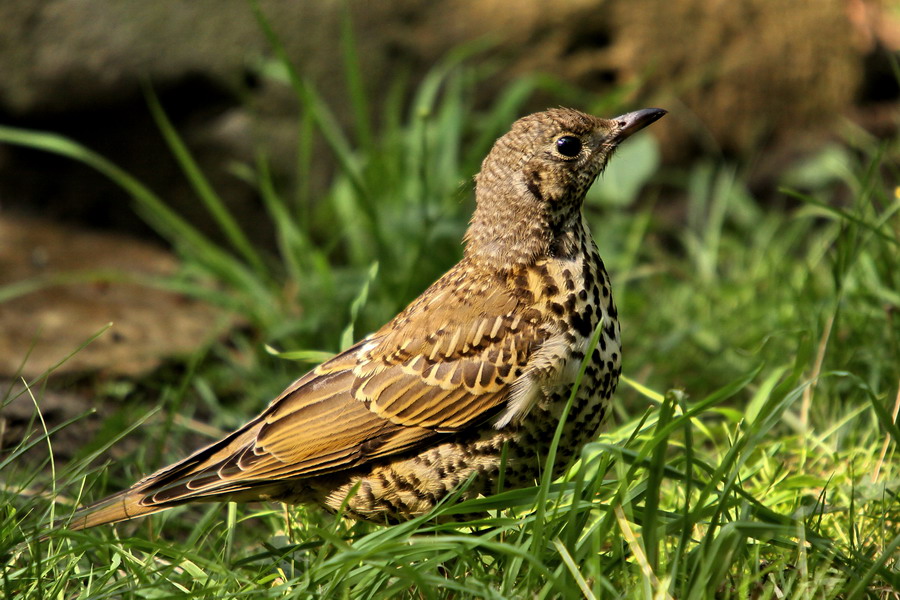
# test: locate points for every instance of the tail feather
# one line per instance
(192, 479)
(118, 507)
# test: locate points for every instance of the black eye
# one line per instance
(568, 145)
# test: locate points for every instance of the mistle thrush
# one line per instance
(484, 359)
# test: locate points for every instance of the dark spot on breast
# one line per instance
(580, 324)
(556, 308)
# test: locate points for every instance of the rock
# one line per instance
(67, 285)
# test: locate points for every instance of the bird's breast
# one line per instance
(575, 296)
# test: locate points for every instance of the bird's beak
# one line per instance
(633, 122)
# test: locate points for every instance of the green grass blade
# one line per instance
(211, 200)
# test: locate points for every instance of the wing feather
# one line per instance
(448, 362)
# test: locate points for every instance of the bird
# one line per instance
(470, 378)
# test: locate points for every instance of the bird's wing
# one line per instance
(446, 363)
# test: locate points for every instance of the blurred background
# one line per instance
(276, 114)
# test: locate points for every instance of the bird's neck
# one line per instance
(520, 237)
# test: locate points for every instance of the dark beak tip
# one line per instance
(633, 122)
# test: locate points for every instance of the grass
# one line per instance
(754, 449)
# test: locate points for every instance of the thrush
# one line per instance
(473, 373)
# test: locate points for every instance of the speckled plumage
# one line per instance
(484, 358)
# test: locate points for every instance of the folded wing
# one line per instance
(443, 365)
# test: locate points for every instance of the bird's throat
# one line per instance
(525, 237)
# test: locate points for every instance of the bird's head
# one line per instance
(533, 182)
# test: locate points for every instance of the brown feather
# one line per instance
(431, 398)
(390, 393)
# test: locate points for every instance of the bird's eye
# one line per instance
(568, 145)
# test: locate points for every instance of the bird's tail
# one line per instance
(118, 507)
(197, 478)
